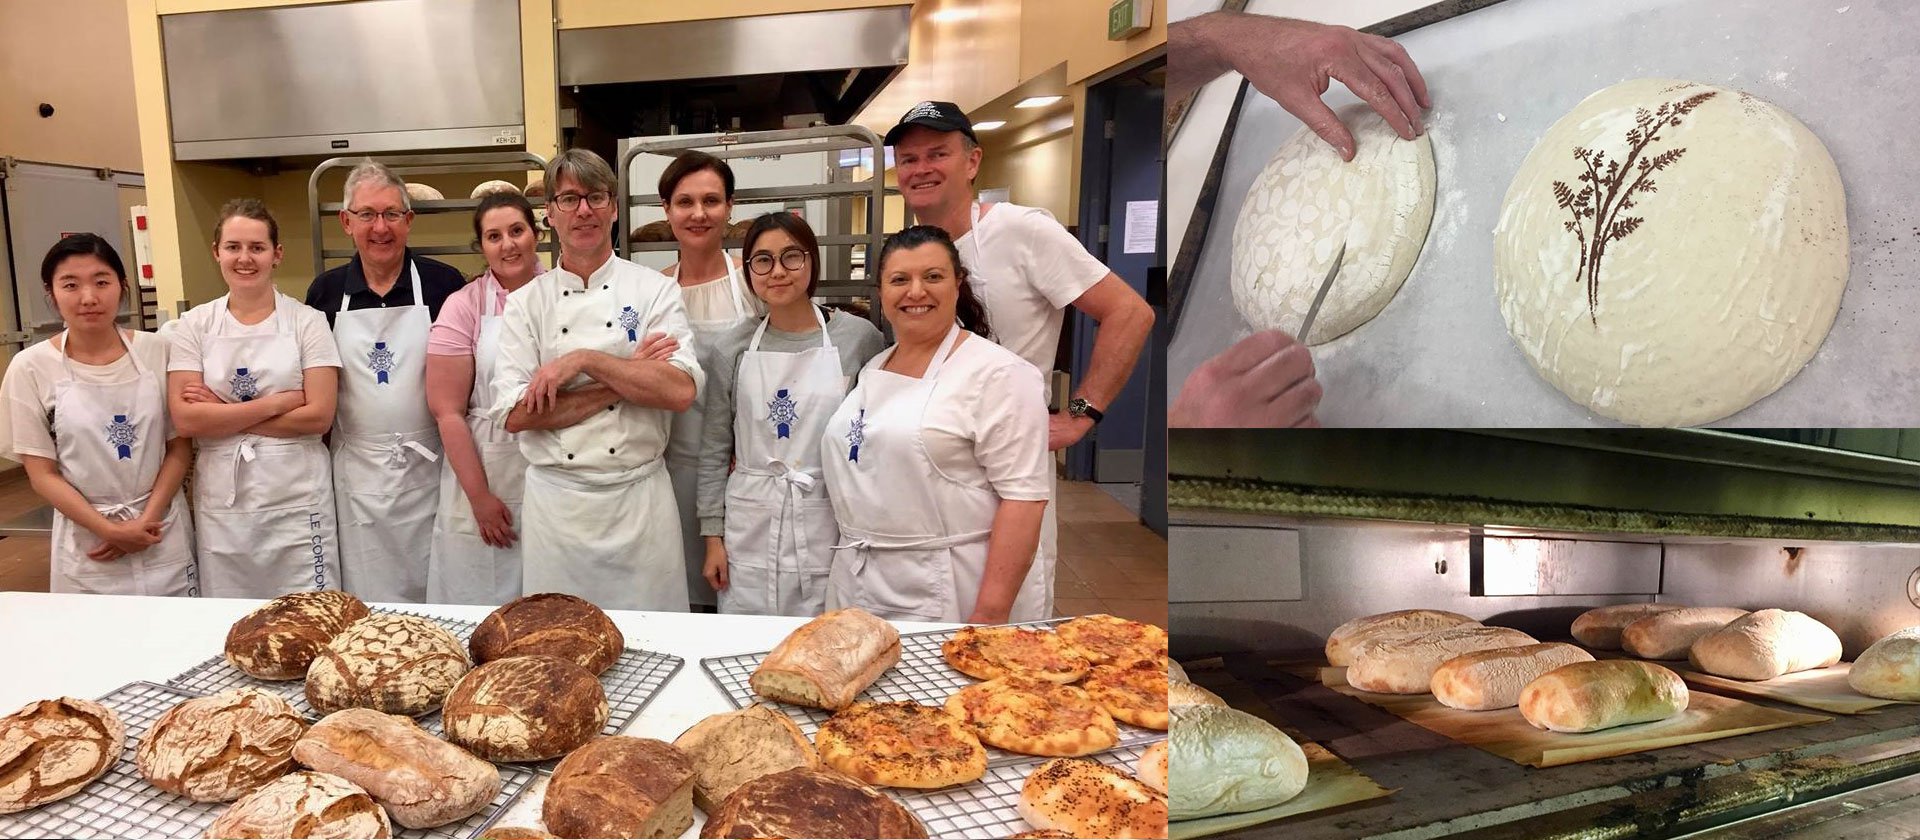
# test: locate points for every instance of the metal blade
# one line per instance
(1313, 311)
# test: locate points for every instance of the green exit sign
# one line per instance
(1127, 18)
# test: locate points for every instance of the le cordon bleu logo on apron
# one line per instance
(781, 412)
(244, 385)
(856, 435)
(381, 360)
(121, 436)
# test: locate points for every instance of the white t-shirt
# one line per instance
(1027, 268)
(26, 426)
(986, 423)
(309, 329)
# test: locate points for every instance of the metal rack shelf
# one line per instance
(404, 165)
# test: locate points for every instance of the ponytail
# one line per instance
(971, 313)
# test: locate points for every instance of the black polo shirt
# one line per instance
(437, 281)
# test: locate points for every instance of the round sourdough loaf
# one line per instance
(525, 708)
(1890, 667)
(217, 748)
(621, 787)
(809, 802)
(280, 638)
(1225, 761)
(552, 623)
(398, 664)
(303, 804)
(1344, 642)
(50, 749)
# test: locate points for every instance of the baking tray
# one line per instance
(1439, 354)
(630, 683)
(122, 804)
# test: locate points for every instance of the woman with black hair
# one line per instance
(937, 461)
(86, 413)
(771, 385)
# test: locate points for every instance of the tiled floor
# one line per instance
(1109, 562)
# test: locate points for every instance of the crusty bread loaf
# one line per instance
(809, 802)
(1766, 644)
(1175, 672)
(1089, 799)
(398, 664)
(828, 661)
(1184, 694)
(1589, 696)
(1670, 634)
(1153, 766)
(1492, 679)
(552, 623)
(525, 708)
(1230, 762)
(1406, 666)
(1599, 628)
(217, 748)
(621, 787)
(1047, 834)
(50, 749)
(303, 804)
(1343, 642)
(659, 231)
(730, 748)
(1890, 667)
(513, 832)
(421, 780)
(280, 638)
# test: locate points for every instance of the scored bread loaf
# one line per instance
(1344, 641)
(525, 708)
(1152, 770)
(1186, 694)
(619, 786)
(1089, 799)
(1230, 762)
(1670, 634)
(730, 748)
(1590, 696)
(219, 747)
(809, 802)
(50, 749)
(398, 664)
(1406, 666)
(552, 623)
(280, 638)
(1766, 644)
(828, 661)
(303, 804)
(421, 780)
(1492, 679)
(1599, 628)
(1890, 667)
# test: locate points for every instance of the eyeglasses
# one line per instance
(366, 217)
(793, 259)
(570, 202)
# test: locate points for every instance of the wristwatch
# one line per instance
(1079, 407)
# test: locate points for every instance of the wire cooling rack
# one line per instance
(122, 804)
(990, 807)
(630, 683)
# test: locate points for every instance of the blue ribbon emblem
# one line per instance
(630, 321)
(244, 386)
(121, 436)
(382, 361)
(856, 436)
(781, 411)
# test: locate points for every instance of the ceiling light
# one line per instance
(989, 125)
(1036, 101)
(953, 14)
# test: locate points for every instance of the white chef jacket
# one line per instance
(1030, 270)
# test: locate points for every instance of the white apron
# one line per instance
(386, 449)
(914, 545)
(613, 539)
(109, 441)
(263, 506)
(683, 445)
(780, 524)
(463, 569)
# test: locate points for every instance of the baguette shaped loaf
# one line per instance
(619, 786)
(50, 749)
(1600, 628)
(398, 664)
(1406, 666)
(1590, 696)
(217, 748)
(829, 660)
(525, 708)
(809, 802)
(1670, 634)
(1492, 679)
(303, 804)
(732, 748)
(421, 780)
(1225, 761)
(1890, 667)
(1089, 799)
(279, 640)
(550, 623)
(1344, 642)
(1765, 644)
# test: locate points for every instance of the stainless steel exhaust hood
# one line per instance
(370, 76)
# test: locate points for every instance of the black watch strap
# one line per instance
(1079, 407)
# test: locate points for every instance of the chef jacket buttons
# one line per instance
(569, 456)
(609, 323)
(612, 407)
(609, 450)
(563, 330)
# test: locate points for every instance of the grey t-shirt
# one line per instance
(856, 339)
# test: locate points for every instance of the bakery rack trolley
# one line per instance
(838, 281)
(503, 163)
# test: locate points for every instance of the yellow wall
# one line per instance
(1032, 165)
(1075, 31)
(584, 14)
(73, 55)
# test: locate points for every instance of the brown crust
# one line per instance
(1035, 717)
(279, 639)
(732, 748)
(398, 664)
(901, 745)
(525, 708)
(988, 653)
(551, 623)
(514, 832)
(810, 802)
(833, 658)
(1110, 640)
(217, 748)
(303, 804)
(51, 749)
(612, 786)
(1090, 799)
(421, 780)
(1135, 693)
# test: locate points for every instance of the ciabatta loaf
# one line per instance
(1344, 642)
(1492, 679)
(1766, 644)
(1600, 628)
(1670, 634)
(1590, 696)
(829, 660)
(1406, 666)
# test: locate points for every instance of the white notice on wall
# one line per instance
(1143, 219)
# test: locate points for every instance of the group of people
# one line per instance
(645, 440)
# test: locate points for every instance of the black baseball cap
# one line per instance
(939, 116)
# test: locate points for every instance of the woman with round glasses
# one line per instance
(696, 190)
(772, 383)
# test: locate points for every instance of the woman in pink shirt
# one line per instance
(475, 557)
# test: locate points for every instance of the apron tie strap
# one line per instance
(241, 453)
(397, 452)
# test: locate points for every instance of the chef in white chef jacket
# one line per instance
(86, 413)
(937, 460)
(582, 381)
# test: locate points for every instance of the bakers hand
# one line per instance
(121, 537)
(494, 520)
(715, 569)
(543, 390)
(658, 347)
(1264, 381)
(1064, 430)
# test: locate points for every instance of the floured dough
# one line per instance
(1711, 289)
(1307, 202)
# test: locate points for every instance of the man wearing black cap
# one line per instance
(1026, 268)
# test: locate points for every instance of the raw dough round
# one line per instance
(1307, 202)
(1711, 291)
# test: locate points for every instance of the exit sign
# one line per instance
(1127, 18)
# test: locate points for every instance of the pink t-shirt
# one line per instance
(459, 326)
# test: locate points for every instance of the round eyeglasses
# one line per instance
(792, 259)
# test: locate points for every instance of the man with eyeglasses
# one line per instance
(596, 358)
(386, 446)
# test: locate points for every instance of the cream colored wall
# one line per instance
(75, 56)
(584, 14)
(962, 51)
(1032, 167)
